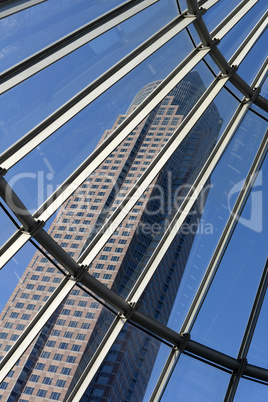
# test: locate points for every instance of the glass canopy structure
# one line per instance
(133, 184)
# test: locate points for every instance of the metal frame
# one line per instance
(32, 226)
(99, 155)
(248, 335)
(10, 7)
(62, 115)
(214, 264)
(70, 43)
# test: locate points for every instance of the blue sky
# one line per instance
(24, 106)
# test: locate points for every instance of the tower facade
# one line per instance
(49, 368)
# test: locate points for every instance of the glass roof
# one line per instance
(133, 186)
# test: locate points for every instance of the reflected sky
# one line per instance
(232, 168)
(7, 224)
(48, 166)
(193, 380)
(36, 98)
(39, 173)
(30, 30)
(231, 296)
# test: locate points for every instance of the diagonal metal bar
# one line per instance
(188, 203)
(250, 40)
(248, 335)
(233, 18)
(66, 112)
(203, 288)
(225, 237)
(14, 6)
(151, 172)
(97, 359)
(70, 43)
(220, 60)
(100, 154)
(35, 326)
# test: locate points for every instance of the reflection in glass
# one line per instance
(231, 169)
(223, 317)
(31, 30)
(36, 176)
(125, 372)
(7, 226)
(12, 274)
(36, 98)
(250, 391)
(254, 60)
(258, 352)
(193, 380)
(231, 42)
(218, 12)
(68, 339)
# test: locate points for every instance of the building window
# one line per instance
(47, 380)
(41, 393)
(52, 369)
(55, 396)
(63, 345)
(28, 390)
(66, 371)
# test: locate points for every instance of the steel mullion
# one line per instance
(100, 154)
(96, 360)
(127, 309)
(165, 375)
(186, 325)
(237, 61)
(249, 332)
(14, 6)
(220, 60)
(70, 43)
(34, 327)
(188, 203)
(12, 246)
(250, 40)
(192, 195)
(233, 18)
(66, 112)
(151, 172)
(261, 75)
(225, 237)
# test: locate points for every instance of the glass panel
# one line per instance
(40, 172)
(158, 366)
(83, 215)
(66, 342)
(264, 89)
(29, 31)
(254, 60)
(260, 111)
(24, 287)
(193, 256)
(234, 90)
(7, 225)
(218, 12)
(230, 43)
(40, 95)
(258, 352)
(193, 380)
(223, 317)
(128, 367)
(251, 391)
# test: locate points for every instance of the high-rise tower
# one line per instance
(49, 368)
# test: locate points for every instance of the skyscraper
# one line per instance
(49, 368)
